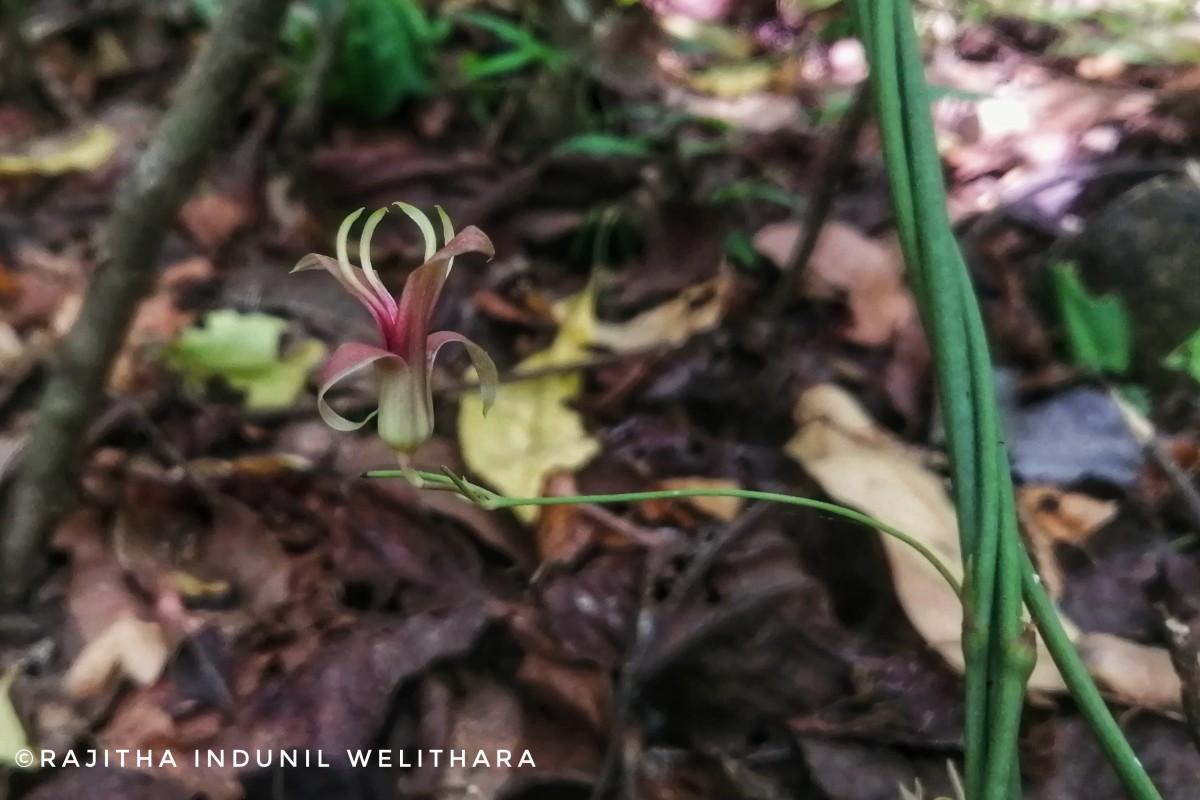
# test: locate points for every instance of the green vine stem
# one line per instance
(489, 500)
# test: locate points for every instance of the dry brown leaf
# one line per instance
(213, 219)
(565, 532)
(1051, 515)
(868, 272)
(132, 648)
(863, 466)
(584, 691)
(158, 320)
(489, 719)
(97, 592)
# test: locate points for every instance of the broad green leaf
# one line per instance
(243, 350)
(1096, 327)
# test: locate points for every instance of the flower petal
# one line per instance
(424, 286)
(489, 377)
(418, 216)
(364, 256)
(469, 240)
(347, 359)
(383, 317)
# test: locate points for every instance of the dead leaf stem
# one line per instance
(145, 206)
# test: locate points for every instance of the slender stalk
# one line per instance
(490, 500)
(996, 642)
(1087, 697)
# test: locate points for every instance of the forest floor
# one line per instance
(229, 581)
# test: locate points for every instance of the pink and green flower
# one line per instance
(403, 363)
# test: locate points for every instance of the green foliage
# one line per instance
(1096, 327)
(608, 145)
(739, 247)
(387, 56)
(749, 190)
(523, 49)
(1186, 357)
(243, 350)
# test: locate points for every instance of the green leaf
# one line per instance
(606, 144)
(243, 350)
(1186, 357)
(12, 734)
(740, 249)
(1096, 326)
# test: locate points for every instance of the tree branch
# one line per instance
(145, 207)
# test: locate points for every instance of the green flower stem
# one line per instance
(491, 500)
(999, 575)
(1087, 697)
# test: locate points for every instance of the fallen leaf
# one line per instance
(243, 349)
(77, 150)
(695, 310)
(1050, 516)
(212, 219)
(12, 733)
(722, 508)
(863, 466)
(733, 80)
(867, 272)
(158, 320)
(531, 431)
(584, 692)
(133, 648)
(488, 719)
(104, 783)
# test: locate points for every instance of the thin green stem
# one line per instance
(1087, 697)
(490, 500)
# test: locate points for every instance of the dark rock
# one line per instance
(1145, 246)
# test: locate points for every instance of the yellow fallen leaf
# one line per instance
(863, 466)
(695, 310)
(531, 431)
(75, 151)
(12, 733)
(733, 80)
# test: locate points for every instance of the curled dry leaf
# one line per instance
(863, 466)
(868, 273)
(1050, 516)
